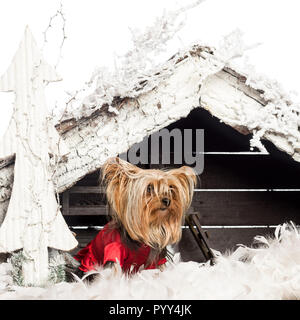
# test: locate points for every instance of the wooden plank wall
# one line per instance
(241, 194)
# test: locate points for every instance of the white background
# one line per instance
(97, 30)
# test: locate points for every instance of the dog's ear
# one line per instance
(186, 175)
(116, 169)
(109, 169)
(116, 175)
(187, 179)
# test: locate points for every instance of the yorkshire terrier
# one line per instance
(148, 212)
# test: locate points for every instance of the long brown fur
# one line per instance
(138, 198)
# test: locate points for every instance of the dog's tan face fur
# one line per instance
(150, 204)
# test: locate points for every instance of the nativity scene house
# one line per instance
(249, 182)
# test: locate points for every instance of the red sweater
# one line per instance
(107, 246)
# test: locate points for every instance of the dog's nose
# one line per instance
(166, 201)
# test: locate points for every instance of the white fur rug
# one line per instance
(271, 271)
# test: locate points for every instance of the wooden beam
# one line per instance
(82, 189)
(88, 210)
(232, 208)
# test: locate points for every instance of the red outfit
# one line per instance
(107, 246)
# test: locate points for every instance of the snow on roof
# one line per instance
(278, 120)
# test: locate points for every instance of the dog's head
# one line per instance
(150, 204)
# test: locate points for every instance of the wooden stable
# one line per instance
(241, 193)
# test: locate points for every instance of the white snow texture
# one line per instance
(269, 271)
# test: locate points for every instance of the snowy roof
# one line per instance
(247, 102)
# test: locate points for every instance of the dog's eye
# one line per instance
(172, 190)
(150, 188)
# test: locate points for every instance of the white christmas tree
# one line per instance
(33, 220)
